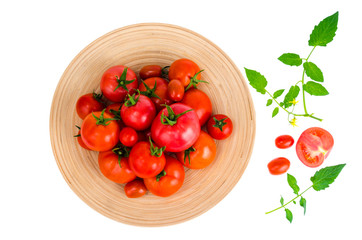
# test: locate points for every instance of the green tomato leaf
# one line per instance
(315, 89)
(269, 102)
(324, 32)
(278, 93)
(313, 71)
(290, 59)
(292, 94)
(275, 112)
(303, 203)
(289, 215)
(281, 200)
(293, 183)
(326, 176)
(256, 80)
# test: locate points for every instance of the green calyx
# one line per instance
(78, 135)
(156, 151)
(150, 92)
(219, 123)
(171, 119)
(160, 175)
(121, 151)
(132, 100)
(187, 154)
(122, 82)
(164, 72)
(101, 120)
(194, 81)
(98, 97)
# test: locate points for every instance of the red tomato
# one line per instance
(220, 126)
(176, 127)
(88, 103)
(138, 112)
(114, 110)
(146, 160)
(80, 141)
(313, 146)
(128, 136)
(156, 89)
(284, 141)
(117, 81)
(99, 131)
(278, 166)
(169, 181)
(175, 90)
(200, 102)
(150, 71)
(201, 154)
(135, 189)
(115, 168)
(186, 71)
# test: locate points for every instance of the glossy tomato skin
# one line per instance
(88, 103)
(171, 182)
(99, 137)
(161, 91)
(175, 90)
(200, 102)
(143, 164)
(180, 136)
(135, 189)
(215, 131)
(278, 166)
(109, 83)
(128, 136)
(140, 116)
(150, 71)
(313, 146)
(110, 168)
(284, 141)
(202, 154)
(80, 142)
(183, 70)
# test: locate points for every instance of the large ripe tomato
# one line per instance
(186, 71)
(313, 146)
(99, 131)
(150, 71)
(115, 168)
(176, 127)
(117, 81)
(175, 90)
(138, 112)
(201, 154)
(88, 103)
(146, 160)
(169, 181)
(284, 141)
(220, 126)
(156, 89)
(278, 166)
(135, 189)
(200, 102)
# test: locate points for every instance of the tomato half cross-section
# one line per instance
(314, 146)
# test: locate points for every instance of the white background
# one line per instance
(40, 38)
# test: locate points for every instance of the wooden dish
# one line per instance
(136, 46)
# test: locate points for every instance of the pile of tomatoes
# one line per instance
(146, 130)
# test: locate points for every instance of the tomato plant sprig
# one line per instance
(321, 180)
(322, 34)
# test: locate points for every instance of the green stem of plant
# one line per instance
(289, 201)
(304, 105)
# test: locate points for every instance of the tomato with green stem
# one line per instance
(156, 89)
(117, 82)
(89, 103)
(200, 102)
(278, 166)
(135, 188)
(169, 181)
(128, 137)
(175, 90)
(99, 131)
(150, 71)
(176, 127)
(186, 71)
(220, 126)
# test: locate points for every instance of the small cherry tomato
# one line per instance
(278, 166)
(156, 89)
(200, 102)
(313, 146)
(128, 136)
(135, 188)
(186, 71)
(88, 103)
(284, 141)
(175, 90)
(169, 181)
(220, 126)
(150, 71)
